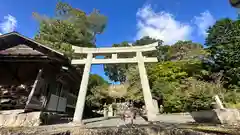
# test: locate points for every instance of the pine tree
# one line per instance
(69, 26)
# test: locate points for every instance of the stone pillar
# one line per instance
(151, 113)
(110, 111)
(155, 103)
(218, 102)
(78, 114)
(161, 109)
(105, 111)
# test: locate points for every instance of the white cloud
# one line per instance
(161, 25)
(9, 24)
(203, 22)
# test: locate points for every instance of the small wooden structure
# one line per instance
(35, 77)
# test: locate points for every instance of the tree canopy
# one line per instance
(70, 26)
(117, 72)
(224, 47)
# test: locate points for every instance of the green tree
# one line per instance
(167, 71)
(167, 78)
(95, 80)
(180, 89)
(133, 83)
(70, 26)
(224, 47)
(117, 72)
(145, 41)
(185, 50)
(98, 96)
(95, 92)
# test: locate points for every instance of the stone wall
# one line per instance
(18, 118)
(14, 96)
(218, 116)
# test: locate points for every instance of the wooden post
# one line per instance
(35, 86)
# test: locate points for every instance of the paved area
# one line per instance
(167, 118)
(166, 122)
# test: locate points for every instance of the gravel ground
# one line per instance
(167, 122)
(153, 129)
(115, 122)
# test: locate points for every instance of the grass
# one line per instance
(234, 106)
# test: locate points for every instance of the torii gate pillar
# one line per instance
(151, 114)
(78, 114)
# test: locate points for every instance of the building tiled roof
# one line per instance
(16, 44)
(20, 50)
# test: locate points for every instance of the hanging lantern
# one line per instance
(235, 3)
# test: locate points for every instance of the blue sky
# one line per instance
(128, 20)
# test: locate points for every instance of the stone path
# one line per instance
(166, 122)
(115, 122)
(163, 120)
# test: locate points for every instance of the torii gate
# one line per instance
(140, 59)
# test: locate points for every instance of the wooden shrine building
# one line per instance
(35, 77)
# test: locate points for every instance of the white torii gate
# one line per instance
(140, 59)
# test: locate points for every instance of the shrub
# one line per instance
(192, 95)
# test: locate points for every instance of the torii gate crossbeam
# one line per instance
(139, 59)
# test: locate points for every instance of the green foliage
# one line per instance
(185, 50)
(232, 97)
(224, 46)
(235, 3)
(95, 80)
(116, 72)
(181, 50)
(191, 95)
(99, 96)
(199, 94)
(134, 90)
(167, 71)
(69, 27)
(95, 92)
(168, 80)
(73, 27)
(145, 41)
(232, 105)
(167, 77)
